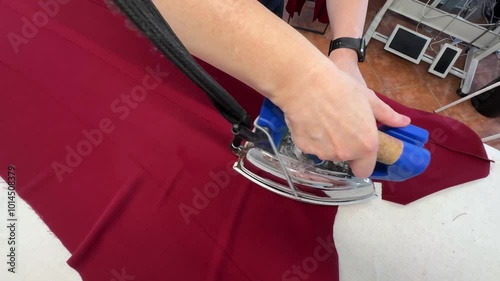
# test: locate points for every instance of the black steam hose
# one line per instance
(145, 15)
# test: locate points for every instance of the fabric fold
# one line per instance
(457, 156)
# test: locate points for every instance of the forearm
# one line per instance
(347, 19)
(243, 39)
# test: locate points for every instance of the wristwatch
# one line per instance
(357, 44)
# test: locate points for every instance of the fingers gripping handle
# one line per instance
(400, 156)
(390, 149)
(401, 153)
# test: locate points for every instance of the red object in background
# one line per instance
(320, 9)
(128, 163)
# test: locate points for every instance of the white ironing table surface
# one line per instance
(450, 235)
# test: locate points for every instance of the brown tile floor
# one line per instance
(408, 83)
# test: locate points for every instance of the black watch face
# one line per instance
(361, 56)
(362, 48)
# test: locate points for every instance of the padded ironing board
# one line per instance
(449, 235)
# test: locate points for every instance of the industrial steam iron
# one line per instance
(266, 153)
(276, 164)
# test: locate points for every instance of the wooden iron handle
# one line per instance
(390, 149)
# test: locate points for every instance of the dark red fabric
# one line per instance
(320, 9)
(457, 156)
(294, 6)
(144, 188)
(119, 210)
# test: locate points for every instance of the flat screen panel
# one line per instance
(407, 44)
(445, 60)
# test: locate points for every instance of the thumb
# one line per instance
(386, 115)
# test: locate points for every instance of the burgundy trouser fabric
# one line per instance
(129, 165)
(320, 9)
(457, 156)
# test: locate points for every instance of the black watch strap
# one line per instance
(357, 44)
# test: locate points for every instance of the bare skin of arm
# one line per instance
(329, 113)
(347, 19)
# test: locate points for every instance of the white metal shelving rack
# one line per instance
(484, 42)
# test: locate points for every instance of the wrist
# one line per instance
(311, 75)
(348, 63)
(357, 45)
(345, 55)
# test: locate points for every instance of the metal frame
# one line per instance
(291, 191)
(484, 41)
(308, 29)
(468, 97)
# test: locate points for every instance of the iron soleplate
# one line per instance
(307, 183)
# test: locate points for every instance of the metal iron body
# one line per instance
(276, 164)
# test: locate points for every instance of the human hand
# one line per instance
(332, 115)
(347, 61)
